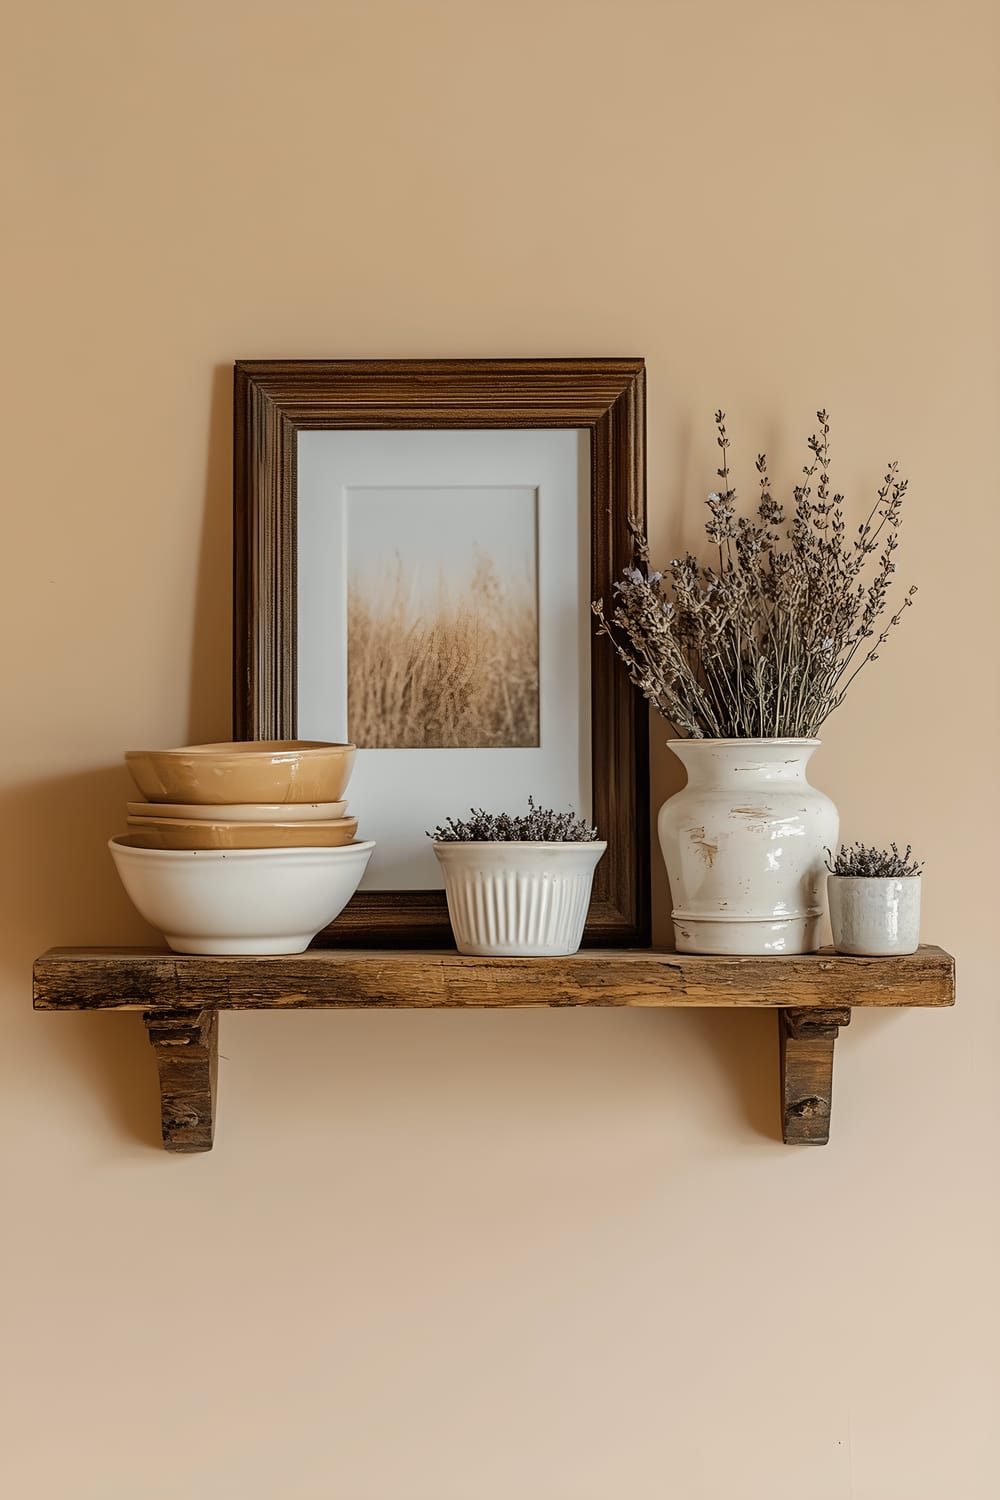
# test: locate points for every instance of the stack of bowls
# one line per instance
(243, 846)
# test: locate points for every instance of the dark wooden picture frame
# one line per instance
(274, 401)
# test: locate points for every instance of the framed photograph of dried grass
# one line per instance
(417, 543)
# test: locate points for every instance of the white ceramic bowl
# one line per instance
(239, 900)
(239, 812)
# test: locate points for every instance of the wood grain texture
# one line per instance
(186, 1044)
(274, 401)
(807, 1040)
(153, 980)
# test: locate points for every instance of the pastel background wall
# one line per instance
(471, 1257)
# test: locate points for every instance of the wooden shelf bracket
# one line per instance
(807, 1039)
(186, 1044)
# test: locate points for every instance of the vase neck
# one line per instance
(708, 762)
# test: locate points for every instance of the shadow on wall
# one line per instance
(667, 776)
(63, 889)
(210, 702)
(107, 1057)
(591, 1075)
(436, 1072)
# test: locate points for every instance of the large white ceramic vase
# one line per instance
(744, 845)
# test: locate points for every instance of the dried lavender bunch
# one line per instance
(765, 642)
(538, 825)
(873, 864)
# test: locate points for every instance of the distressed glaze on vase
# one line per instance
(744, 844)
(874, 916)
(518, 900)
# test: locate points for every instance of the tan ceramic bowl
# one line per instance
(239, 812)
(184, 833)
(244, 771)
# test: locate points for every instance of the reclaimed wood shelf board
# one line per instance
(181, 996)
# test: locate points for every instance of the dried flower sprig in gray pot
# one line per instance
(518, 884)
(874, 899)
(747, 655)
(861, 862)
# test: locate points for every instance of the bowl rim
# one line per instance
(146, 820)
(271, 810)
(311, 851)
(241, 748)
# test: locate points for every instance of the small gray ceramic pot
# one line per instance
(874, 916)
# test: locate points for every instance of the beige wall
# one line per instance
(473, 1257)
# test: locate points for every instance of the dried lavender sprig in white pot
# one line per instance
(745, 655)
(874, 897)
(518, 885)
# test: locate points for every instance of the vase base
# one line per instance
(875, 949)
(750, 937)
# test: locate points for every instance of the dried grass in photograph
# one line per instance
(451, 668)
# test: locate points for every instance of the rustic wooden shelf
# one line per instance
(181, 997)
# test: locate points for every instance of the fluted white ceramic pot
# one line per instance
(874, 915)
(744, 844)
(518, 900)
